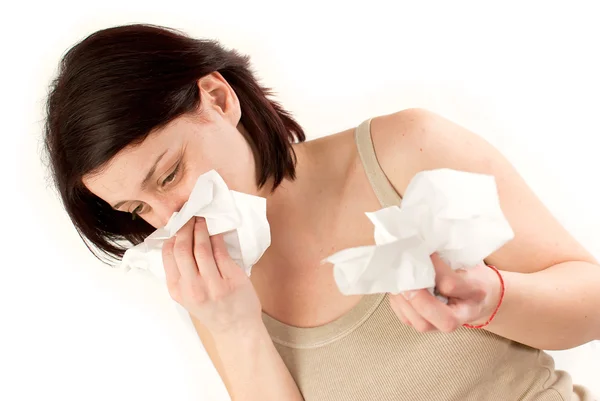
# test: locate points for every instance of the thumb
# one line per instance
(452, 283)
(455, 284)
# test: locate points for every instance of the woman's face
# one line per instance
(155, 178)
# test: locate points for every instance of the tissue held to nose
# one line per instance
(455, 214)
(241, 217)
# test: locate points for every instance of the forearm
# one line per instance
(253, 367)
(556, 308)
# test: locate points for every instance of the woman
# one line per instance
(138, 112)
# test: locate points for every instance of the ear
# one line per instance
(216, 93)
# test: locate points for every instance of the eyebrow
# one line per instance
(146, 179)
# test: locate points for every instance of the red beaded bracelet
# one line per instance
(479, 326)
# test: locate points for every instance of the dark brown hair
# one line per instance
(118, 85)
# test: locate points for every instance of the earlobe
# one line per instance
(216, 92)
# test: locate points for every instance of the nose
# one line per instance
(164, 207)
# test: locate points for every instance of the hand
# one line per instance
(473, 295)
(207, 282)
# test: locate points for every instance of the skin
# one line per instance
(551, 281)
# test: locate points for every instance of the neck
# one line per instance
(319, 183)
(290, 192)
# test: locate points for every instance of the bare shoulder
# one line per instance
(413, 140)
(401, 140)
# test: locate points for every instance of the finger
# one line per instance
(415, 320)
(226, 265)
(457, 286)
(441, 267)
(452, 283)
(172, 274)
(398, 311)
(183, 250)
(434, 311)
(203, 252)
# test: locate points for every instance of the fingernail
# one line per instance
(408, 295)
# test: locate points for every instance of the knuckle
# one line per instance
(218, 290)
(197, 295)
(198, 298)
(480, 294)
(447, 286)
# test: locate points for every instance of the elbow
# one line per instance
(570, 340)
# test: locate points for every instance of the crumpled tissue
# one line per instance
(242, 218)
(455, 214)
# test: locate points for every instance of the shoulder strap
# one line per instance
(382, 187)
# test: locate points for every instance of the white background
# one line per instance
(524, 75)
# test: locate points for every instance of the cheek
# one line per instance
(226, 151)
(239, 173)
(236, 165)
(185, 187)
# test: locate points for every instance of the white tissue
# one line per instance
(242, 217)
(455, 214)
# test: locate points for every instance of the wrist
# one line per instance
(493, 282)
(243, 347)
(250, 331)
(494, 291)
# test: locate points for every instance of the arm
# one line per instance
(551, 295)
(555, 308)
(249, 365)
(226, 313)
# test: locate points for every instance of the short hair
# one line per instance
(117, 86)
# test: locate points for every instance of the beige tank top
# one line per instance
(368, 354)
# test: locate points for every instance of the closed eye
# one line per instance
(136, 212)
(171, 177)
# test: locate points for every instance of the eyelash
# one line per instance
(135, 212)
(170, 178)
